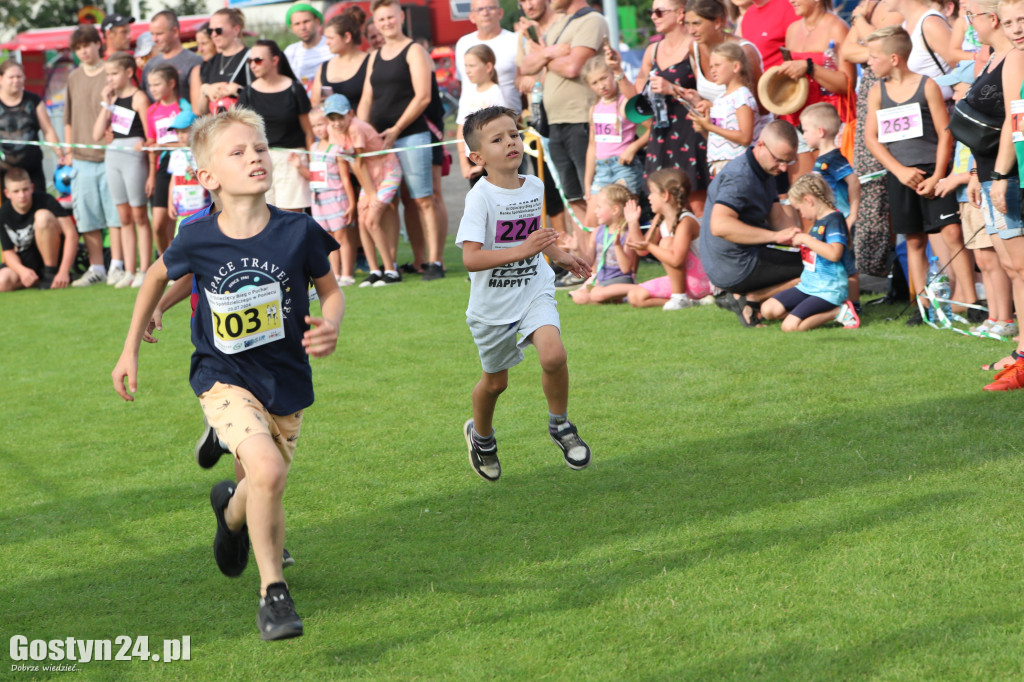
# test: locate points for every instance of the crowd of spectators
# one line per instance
(728, 110)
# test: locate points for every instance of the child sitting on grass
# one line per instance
(823, 284)
(252, 264)
(512, 288)
(614, 261)
(672, 239)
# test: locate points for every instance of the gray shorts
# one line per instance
(498, 346)
(127, 171)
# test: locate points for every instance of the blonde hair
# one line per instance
(894, 39)
(486, 55)
(234, 16)
(812, 185)
(734, 53)
(207, 130)
(822, 114)
(595, 63)
(616, 194)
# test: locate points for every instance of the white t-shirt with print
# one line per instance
(723, 115)
(500, 219)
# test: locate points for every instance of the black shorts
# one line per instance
(774, 266)
(162, 188)
(912, 213)
(31, 259)
(802, 305)
(552, 202)
(568, 146)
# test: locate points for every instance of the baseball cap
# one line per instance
(144, 44)
(337, 104)
(183, 120)
(961, 73)
(113, 20)
(639, 109)
(302, 7)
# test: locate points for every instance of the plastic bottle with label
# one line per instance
(536, 97)
(659, 106)
(938, 285)
(829, 62)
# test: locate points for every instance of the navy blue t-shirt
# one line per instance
(253, 300)
(746, 188)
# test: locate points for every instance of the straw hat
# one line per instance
(780, 94)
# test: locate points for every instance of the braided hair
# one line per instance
(813, 185)
(677, 184)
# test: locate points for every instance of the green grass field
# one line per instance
(829, 505)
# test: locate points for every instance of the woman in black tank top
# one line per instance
(395, 98)
(348, 65)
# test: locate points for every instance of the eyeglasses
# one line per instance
(971, 16)
(659, 12)
(777, 160)
(216, 31)
(481, 10)
(256, 60)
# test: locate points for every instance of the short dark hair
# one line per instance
(169, 15)
(83, 35)
(478, 119)
(16, 174)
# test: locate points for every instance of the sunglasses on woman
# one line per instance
(661, 11)
(256, 60)
(216, 31)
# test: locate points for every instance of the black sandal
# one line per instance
(992, 367)
(755, 312)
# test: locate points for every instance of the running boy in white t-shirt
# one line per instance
(512, 290)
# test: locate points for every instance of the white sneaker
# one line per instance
(677, 302)
(138, 279)
(88, 279)
(344, 281)
(114, 275)
(707, 300)
(125, 281)
(1004, 329)
(982, 328)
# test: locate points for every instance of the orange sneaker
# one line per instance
(1009, 379)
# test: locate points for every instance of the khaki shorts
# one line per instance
(290, 189)
(972, 220)
(236, 414)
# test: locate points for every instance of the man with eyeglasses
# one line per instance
(743, 220)
(167, 40)
(486, 16)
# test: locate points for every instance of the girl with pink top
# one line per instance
(612, 152)
(164, 85)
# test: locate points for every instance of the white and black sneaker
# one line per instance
(208, 448)
(484, 462)
(287, 559)
(277, 618)
(230, 548)
(388, 278)
(371, 280)
(575, 452)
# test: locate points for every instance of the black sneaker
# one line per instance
(287, 559)
(277, 618)
(432, 271)
(484, 463)
(208, 447)
(975, 316)
(46, 278)
(387, 278)
(575, 452)
(230, 548)
(371, 280)
(915, 320)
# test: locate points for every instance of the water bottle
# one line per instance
(536, 97)
(659, 106)
(829, 62)
(939, 286)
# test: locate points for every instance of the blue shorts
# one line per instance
(609, 171)
(417, 164)
(1006, 226)
(91, 203)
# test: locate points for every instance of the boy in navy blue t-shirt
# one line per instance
(252, 334)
